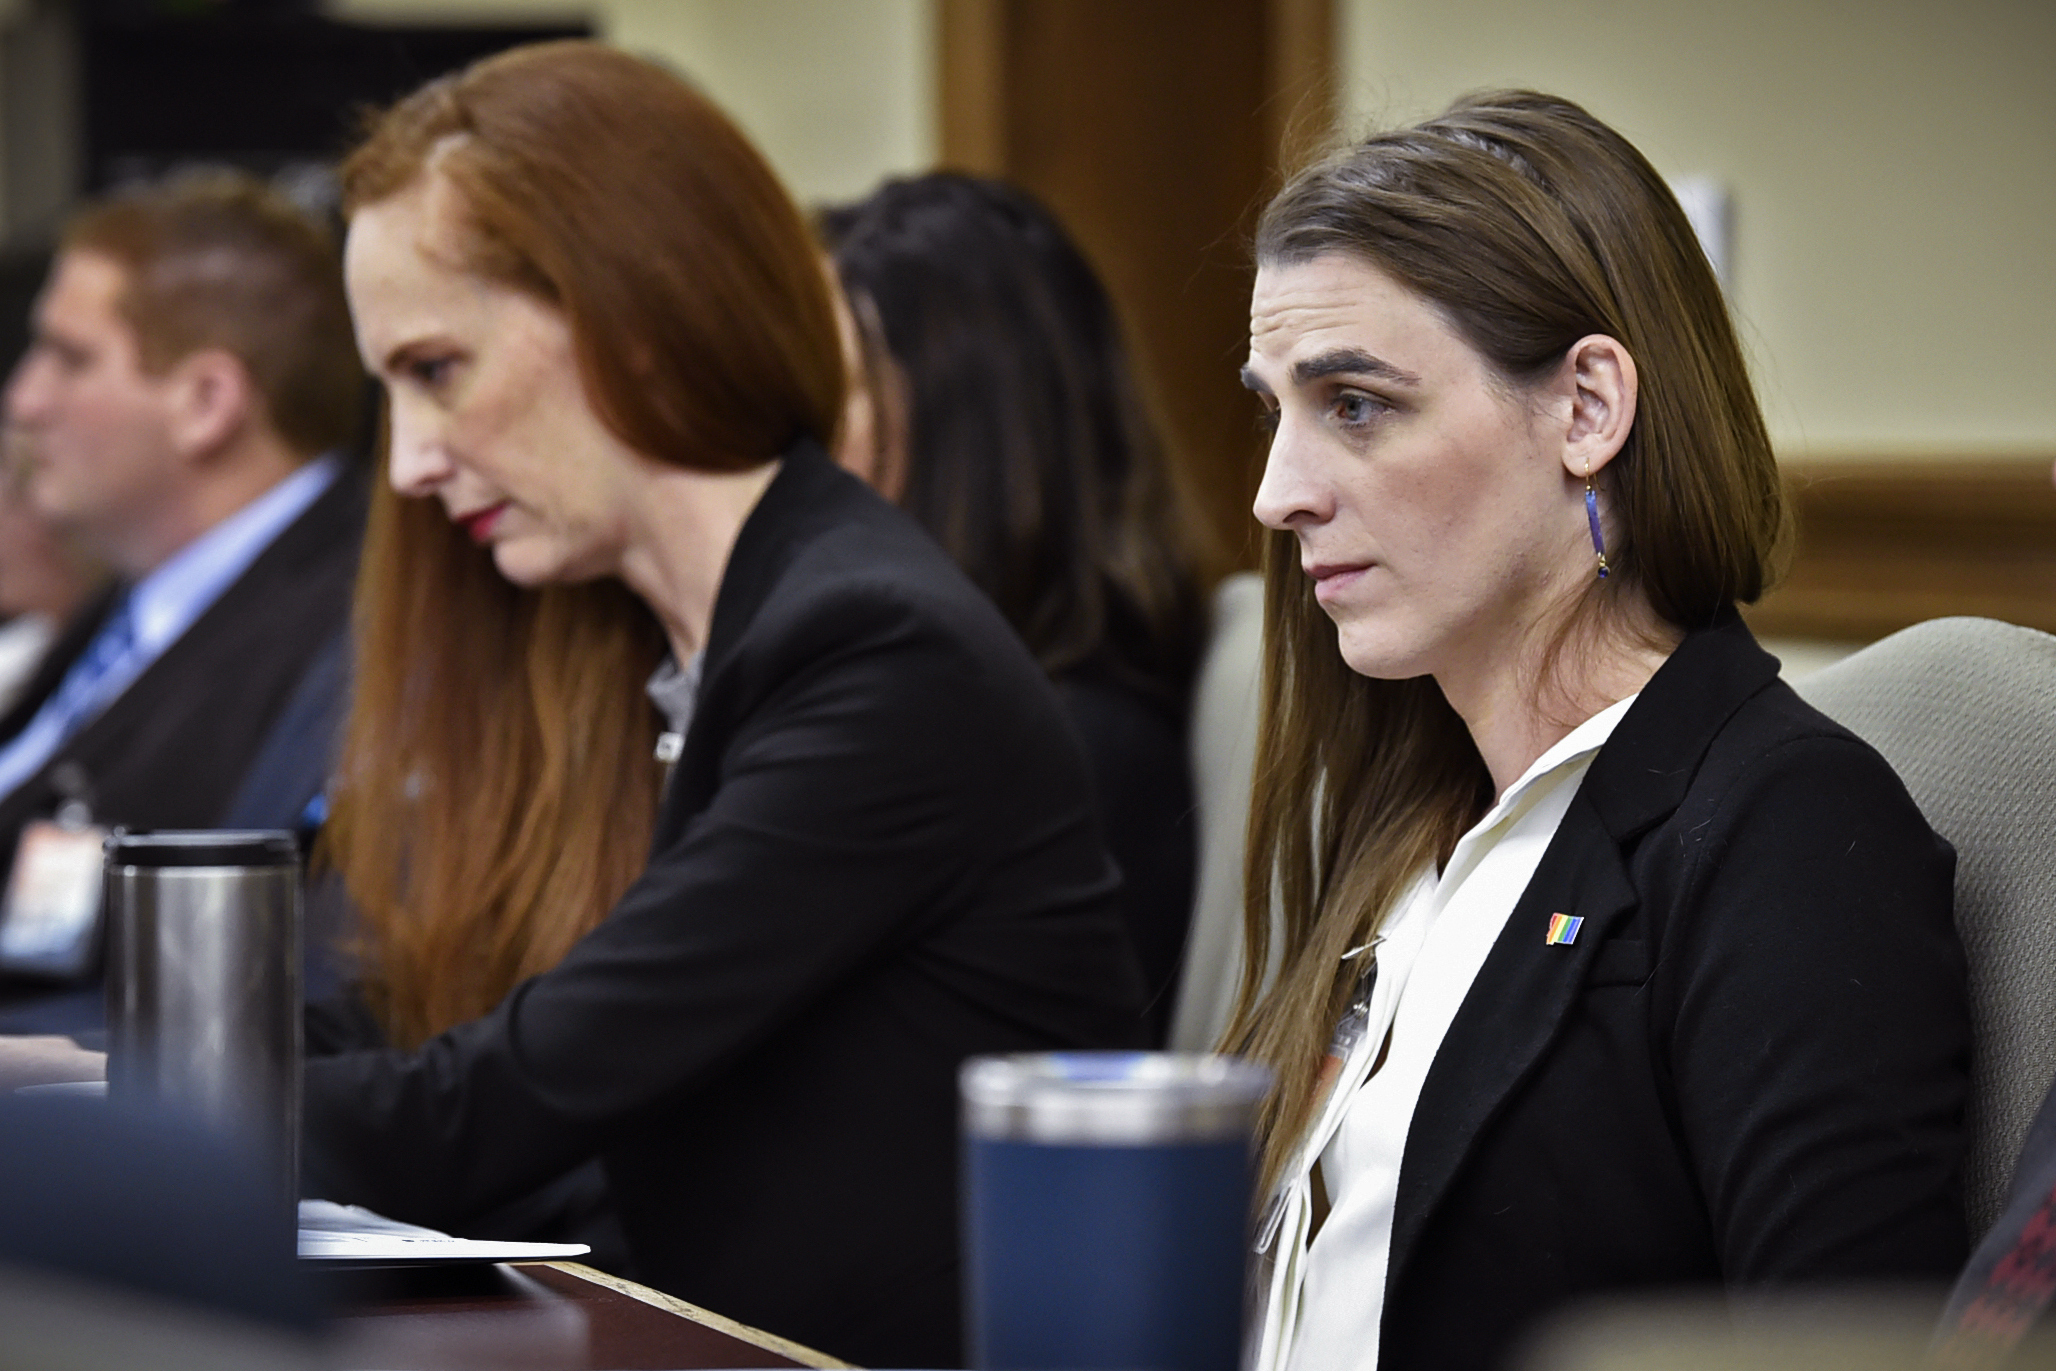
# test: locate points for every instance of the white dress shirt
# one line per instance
(1326, 1298)
(164, 604)
(23, 641)
(675, 691)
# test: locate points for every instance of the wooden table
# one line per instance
(545, 1316)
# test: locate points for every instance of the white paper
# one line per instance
(344, 1232)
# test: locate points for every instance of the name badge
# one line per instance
(50, 916)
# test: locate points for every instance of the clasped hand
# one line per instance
(46, 1061)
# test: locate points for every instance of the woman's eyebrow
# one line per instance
(1352, 362)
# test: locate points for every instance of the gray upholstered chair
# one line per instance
(1223, 752)
(1965, 711)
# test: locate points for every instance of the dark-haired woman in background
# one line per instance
(995, 402)
(743, 972)
(1607, 963)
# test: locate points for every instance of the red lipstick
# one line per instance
(480, 524)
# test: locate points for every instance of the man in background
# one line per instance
(181, 409)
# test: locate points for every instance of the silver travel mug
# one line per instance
(1107, 1209)
(203, 982)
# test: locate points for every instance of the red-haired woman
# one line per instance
(611, 366)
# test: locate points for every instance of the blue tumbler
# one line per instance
(1107, 1209)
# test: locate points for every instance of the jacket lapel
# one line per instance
(275, 595)
(1526, 988)
(1511, 1015)
(305, 548)
(70, 645)
(808, 494)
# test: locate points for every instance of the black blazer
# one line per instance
(172, 750)
(877, 857)
(1142, 780)
(1749, 1068)
(299, 752)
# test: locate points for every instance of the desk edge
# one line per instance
(671, 1304)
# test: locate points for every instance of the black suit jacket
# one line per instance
(1143, 782)
(1750, 1067)
(172, 750)
(877, 857)
(293, 765)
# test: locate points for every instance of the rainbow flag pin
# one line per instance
(1563, 930)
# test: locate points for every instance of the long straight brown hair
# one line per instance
(1529, 224)
(1032, 456)
(496, 791)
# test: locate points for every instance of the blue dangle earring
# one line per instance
(1592, 518)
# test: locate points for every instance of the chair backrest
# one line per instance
(1223, 752)
(1965, 711)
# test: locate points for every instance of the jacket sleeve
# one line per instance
(1820, 1034)
(341, 1022)
(852, 805)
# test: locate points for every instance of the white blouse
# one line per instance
(23, 641)
(1325, 1298)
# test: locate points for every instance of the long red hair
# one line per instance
(496, 790)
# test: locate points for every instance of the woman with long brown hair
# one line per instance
(1605, 962)
(994, 400)
(732, 937)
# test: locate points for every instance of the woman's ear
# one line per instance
(1603, 393)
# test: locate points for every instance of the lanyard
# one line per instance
(1342, 1047)
(1282, 1236)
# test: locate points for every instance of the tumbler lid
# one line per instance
(1111, 1098)
(213, 847)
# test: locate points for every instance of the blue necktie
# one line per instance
(75, 702)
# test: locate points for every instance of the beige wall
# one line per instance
(1893, 171)
(838, 93)
(1892, 162)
